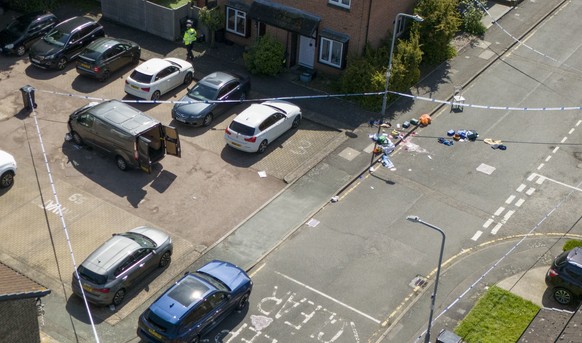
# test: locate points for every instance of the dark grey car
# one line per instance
(120, 263)
(24, 31)
(565, 276)
(216, 86)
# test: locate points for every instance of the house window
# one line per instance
(340, 3)
(331, 52)
(236, 21)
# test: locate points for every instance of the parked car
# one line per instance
(132, 137)
(7, 169)
(158, 76)
(24, 31)
(120, 263)
(196, 304)
(216, 86)
(64, 42)
(107, 55)
(565, 276)
(260, 124)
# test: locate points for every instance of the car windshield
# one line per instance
(56, 37)
(203, 92)
(190, 290)
(91, 276)
(140, 239)
(17, 27)
(242, 128)
(140, 77)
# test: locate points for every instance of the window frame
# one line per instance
(237, 17)
(340, 4)
(329, 62)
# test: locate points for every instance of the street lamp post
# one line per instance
(416, 17)
(416, 219)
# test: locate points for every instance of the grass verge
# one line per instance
(498, 317)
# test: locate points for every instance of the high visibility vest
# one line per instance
(189, 36)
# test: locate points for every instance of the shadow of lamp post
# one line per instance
(416, 219)
(418, 18)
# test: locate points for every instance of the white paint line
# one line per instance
(563, 139)
(540, 166)
(519, 202)
(477, 235)
(548, 158)
(521, 187)
(560, 183)
(571, 130)
(508, 214)
(555, 149)
(529, 178)
(499, 211)
(510, 199)
(540, 180)
(578, 123)
(496, 228)
(487, 223)
(330, 298)
(530, 191)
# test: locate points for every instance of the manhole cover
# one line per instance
(418, 281)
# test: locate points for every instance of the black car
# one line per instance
(64, 42)
(216, 86)
(24, 31)
(106, 55)
(565, 276)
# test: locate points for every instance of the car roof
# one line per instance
(254, 115)
(32, 16)
(153, 65)
(73, 23)
(123, 116)
(217, 79)
(106, 41)
(110, 253)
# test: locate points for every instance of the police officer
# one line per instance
(189, 39)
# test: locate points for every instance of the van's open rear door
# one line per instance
(172, 141)
(143, 154)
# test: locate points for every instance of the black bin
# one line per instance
(28, 97)
(446, 336)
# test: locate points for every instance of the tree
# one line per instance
(441, 22)
(471, 14)
(212, 19)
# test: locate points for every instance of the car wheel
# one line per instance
(105, 76)
(20, 50)
(61, 63)
(156, 95)
(7, 179)
(563, 296)
(166, 259)
(296, 122)
(76, 138)
(118, 297)
(263, 146)
(243, 302)
(121, 163)
(208, 119)
(188, 79)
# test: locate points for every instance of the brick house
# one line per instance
(19, 297)
(317, 34)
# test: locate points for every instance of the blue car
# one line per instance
(196, 304)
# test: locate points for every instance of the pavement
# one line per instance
(333, 170)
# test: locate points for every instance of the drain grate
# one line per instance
(418, 281)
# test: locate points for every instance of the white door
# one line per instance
(306, 51)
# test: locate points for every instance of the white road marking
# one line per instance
(508, 215)
(496, 228)
(530, 191)
(519, 202)
(330, 298)
(563, 139)
(548, 158)
(578, 123)
(510, 199)
(540, 166)
(571, 130)
(540, 180)
(559, 183)
(487, 223)
(499, 211)
(555, 149)
(521, 187)
(477, 235)
(529, 178)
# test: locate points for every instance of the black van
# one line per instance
(132, 137)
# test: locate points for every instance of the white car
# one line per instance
(260, 124)
(7, 169)
(158, 76)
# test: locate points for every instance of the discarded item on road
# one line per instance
(445, 141)
(414, 121)
(492, 141)
(262, 173)
(406, 124)
(451, 133)
(334, 198)
(425, 119)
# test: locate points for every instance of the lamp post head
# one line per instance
(413, 218)
(417, 18)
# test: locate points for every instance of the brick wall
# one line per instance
(19, 321)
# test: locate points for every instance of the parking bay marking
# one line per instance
(330, 298)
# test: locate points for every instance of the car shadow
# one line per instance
(86, 84)
(221, 332)
(38, 73)
(100, 167)
(549, 302)
(146, 105)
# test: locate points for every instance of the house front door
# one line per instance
(306, 51)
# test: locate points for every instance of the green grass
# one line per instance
(498, 317)
(170, 3)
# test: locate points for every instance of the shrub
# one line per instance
(213, 19)
(471, 15)
(265, 56)
(571, 244)
(441, 22)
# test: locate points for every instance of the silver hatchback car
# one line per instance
(120, 263)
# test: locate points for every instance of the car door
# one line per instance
(143, 153)
(174, 77)
(230, 91)
(162, 80)
(135, 267)
(195, 322)
(273, 127)
(114, 57)
(36, 30)
(79, 40)
(172, 141)
(221, 307)
(85, 127)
